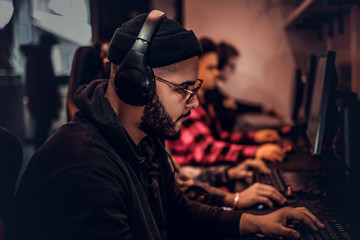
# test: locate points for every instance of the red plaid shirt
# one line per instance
(203, 142)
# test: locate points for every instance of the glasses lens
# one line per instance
(194, 91)
(191, 97)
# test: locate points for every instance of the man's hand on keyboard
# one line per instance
(274, 224)
(260, 193)
(266, 135)
(270, 152)
(246, 169)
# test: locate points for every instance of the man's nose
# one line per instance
(194, 103)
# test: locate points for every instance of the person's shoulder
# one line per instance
(75, 143)
(75, 147)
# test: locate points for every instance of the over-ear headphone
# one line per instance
(134, 79)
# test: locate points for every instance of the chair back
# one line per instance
(11, 157)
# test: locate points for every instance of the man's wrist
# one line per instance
(236, 200)
(229, 199)
(249, 224)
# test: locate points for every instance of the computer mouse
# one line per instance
(261, 206)
(288, 194)
(276, 205)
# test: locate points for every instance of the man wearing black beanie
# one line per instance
(106, 174)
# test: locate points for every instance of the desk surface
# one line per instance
(322, 186)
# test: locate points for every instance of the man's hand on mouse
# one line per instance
(274, 224)
(246, 169)
(260, 193)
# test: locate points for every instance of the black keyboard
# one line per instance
(274, 178)
(333, 231)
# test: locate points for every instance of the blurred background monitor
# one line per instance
(322, 113)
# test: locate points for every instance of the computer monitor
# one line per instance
(322, 114)
(350, 117)
(309, 86)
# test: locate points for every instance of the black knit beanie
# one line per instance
(171, 42)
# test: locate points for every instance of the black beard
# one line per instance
(157, 122)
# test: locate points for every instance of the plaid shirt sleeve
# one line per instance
(197, 145)
(237, 137)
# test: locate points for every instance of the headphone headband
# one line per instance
(147, 30)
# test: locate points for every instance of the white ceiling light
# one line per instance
(6, 12)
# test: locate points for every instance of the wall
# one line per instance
(270, 54)
(167, 6)
(265, 71)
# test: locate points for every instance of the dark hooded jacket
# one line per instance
(90, 181)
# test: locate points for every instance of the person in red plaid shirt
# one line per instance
(204, 142)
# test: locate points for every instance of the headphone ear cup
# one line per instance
(134, 80)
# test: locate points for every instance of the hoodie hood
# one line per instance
(96, 108)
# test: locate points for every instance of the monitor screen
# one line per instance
(322, 109)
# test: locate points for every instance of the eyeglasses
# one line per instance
(189, 94)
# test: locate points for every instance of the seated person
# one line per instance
(106, 174)
(226, 107)
(203, 141)
(89, 63)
